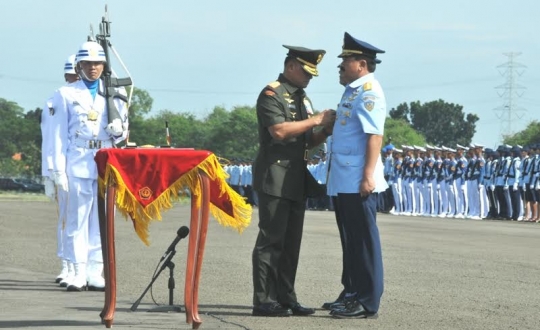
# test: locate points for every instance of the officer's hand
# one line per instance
(430, 185)
(438, 186)
(515, 187)
(326, 119)
(115, 128)
(61, 180)
(524, 186)
(463, 187)
(505, 187)
(492, 187)
(50, 190)
(367, 186)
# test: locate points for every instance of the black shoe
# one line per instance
(299, 310)
(353, 310)
(339, 303)
(340, 300)
(271, 309)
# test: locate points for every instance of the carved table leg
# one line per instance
(197, 240)
(109, 258)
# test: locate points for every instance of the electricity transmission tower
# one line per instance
(509, 92)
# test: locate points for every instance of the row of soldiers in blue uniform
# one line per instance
(464, 182)
(241, 179)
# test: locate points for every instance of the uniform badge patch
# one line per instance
(309, 109)
(369, 105)
(92, 115)
(269, 93)
(51, 111)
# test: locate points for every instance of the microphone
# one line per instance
(181, 233)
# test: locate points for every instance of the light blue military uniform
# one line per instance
(362, 111)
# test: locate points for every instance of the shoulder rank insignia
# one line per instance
(367, 86)
(274, 84)
(51, 111)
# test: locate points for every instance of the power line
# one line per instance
(511, 90)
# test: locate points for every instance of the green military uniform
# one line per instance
(282, 181)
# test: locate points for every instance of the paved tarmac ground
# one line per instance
(439, 274)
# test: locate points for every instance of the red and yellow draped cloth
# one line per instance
(148, 180)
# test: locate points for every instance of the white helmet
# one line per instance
(91, 51)
(69, 67)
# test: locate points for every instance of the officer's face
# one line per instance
(350, 69)
(298, 76)
(92, 70)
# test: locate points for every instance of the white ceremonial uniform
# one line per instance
(47, 167)
(77, 133)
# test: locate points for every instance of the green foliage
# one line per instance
(530, 135)
(19, 133)
(399, 132)
(441, 123)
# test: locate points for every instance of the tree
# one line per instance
(19, 133)
(441, 123)
(530, 135)
(399, 132)
(236, 137)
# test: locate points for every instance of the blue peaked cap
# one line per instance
(353, 46)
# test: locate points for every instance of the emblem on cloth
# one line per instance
(93, 115)
(369, 105)
(145, 193)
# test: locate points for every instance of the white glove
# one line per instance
(515, 187)
(480, 186)
(430, 185)
(463, 187)
(61, 180)
(492, 187)
(505, 187)
(524, 186)
(50, 191)
(116, 128)
(438, 186)
(537, 186)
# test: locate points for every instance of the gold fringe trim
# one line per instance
(128, 205)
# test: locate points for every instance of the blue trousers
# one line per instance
(363, 266)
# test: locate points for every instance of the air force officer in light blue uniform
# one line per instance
(356, 174)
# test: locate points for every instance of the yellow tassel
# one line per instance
(129, 206)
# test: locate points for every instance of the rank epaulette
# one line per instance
(367, 87)
(274, 84)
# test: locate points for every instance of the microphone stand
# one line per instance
(167, 308)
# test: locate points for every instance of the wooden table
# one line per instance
(150, 179)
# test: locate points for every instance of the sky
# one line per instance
(194, 55)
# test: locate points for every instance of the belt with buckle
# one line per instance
(93, 144)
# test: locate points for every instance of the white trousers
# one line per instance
(61, 204)
(83, 241)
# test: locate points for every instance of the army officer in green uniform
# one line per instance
(288, 128)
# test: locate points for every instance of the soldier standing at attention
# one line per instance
(59, 197)
(356, 175)
(282, 181)
(78, 130)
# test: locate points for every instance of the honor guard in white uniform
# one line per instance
(356, 175)
(60, 197)
(79, 128)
